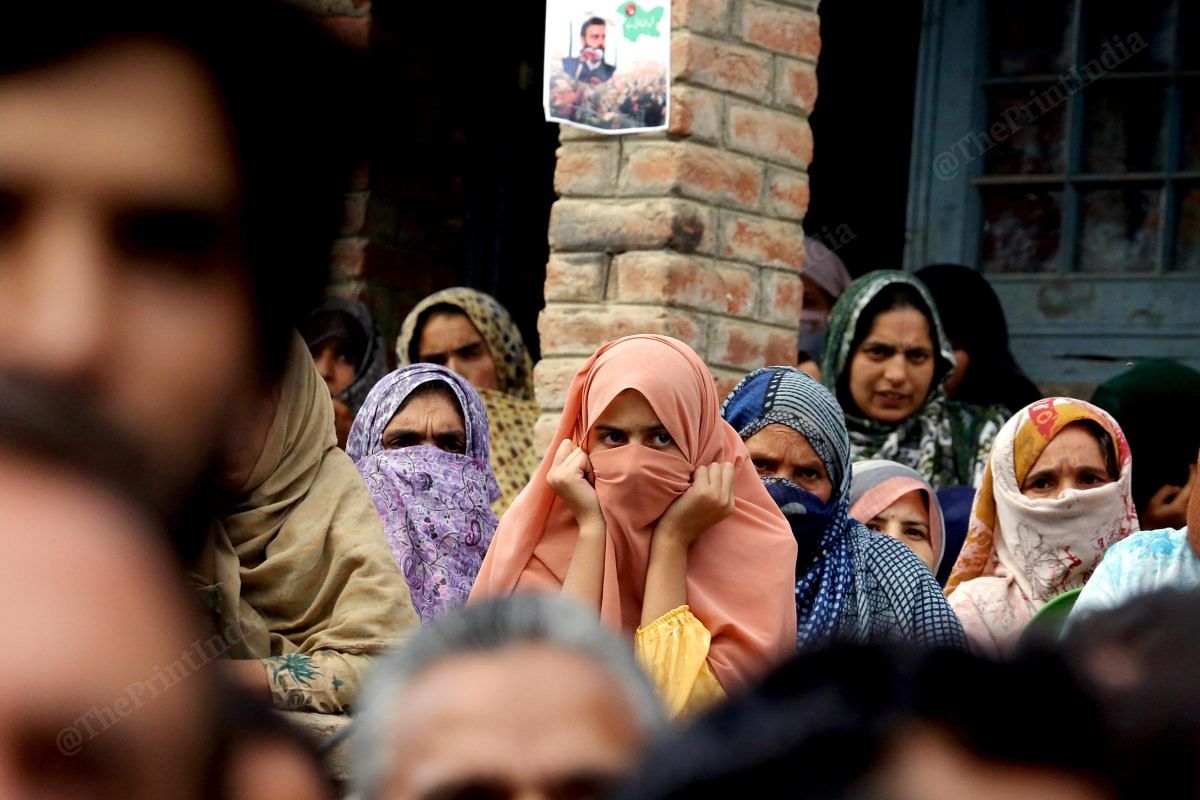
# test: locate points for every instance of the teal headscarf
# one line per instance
(947, 442)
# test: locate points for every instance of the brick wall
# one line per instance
(696, 233)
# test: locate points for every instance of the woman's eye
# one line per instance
(663, 438)
(918, 357)
(611, 438)
(877, 352)
(810, 474)
(913, 533)
(875, 526)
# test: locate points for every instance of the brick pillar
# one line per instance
(696, 233)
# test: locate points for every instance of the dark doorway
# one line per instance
(463, 165)
(862, 131)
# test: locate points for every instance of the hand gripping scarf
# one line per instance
(435, 506)
(512, 410)
(878, 484)
(945, 441)
(1020, 552)
(825, 564)
(740, 575)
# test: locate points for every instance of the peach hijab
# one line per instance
(741, 572)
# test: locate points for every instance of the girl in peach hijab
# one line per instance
(1055, 496)
(647, 508)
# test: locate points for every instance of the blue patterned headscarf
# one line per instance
(825, 566)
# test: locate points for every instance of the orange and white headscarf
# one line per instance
(741, 572)
(1021, 552)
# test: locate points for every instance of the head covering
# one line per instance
(511, 410)
(825, 268)
(946, 442)
(877, 484)
(1022, 552)
(740, 593)
(974, 321)
(435, 506)
(514, 367)
(825, 564)
(299, 563)
(1156, 402)
(350, 320)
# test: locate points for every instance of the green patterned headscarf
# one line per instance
(947, 442)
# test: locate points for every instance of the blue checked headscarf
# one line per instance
(825, 564)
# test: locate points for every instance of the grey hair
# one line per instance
(488, 627)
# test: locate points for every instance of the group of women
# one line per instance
(721, 536)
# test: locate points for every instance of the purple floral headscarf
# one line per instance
(435, 506)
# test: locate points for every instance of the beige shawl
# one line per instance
(301, 572)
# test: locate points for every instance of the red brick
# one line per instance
(722, 66)
(737, 344)
(790, 31)
(726, 379)
(783, 297)
(671, 279)
(764, 242)
(576, 277)
(771, 134)
(586, 169)
(580, 330)
(692, 170)
(704, 16)
(354, 213)
(352, 31)
(781, 347)
(695, 112)
(544, 430)
(348, 257)
(553, 377)
(795, 84)
(628, 225)
(787, 193)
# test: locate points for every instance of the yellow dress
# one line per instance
(674, 652)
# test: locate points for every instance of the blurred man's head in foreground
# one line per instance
(170, 181)
(523, 697)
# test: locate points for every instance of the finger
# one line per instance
(700, 479)
(727, 476)
(564, 450)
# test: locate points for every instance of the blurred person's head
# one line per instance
(170, 180)
(593, 33)
(870, 723)
(268, 757)
(1142, 657)
(522, 697)
(106, 693)
(1155, 402)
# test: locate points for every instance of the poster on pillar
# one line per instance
(608, 64)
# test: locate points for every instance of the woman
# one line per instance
(473, 335)
(421, 443)
(1055, 496)
(886, 358)
(296, 572)
(894, 500)
(642, 466)
(825, 278)
(851, 583)
(349, 354)
(985, 374)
